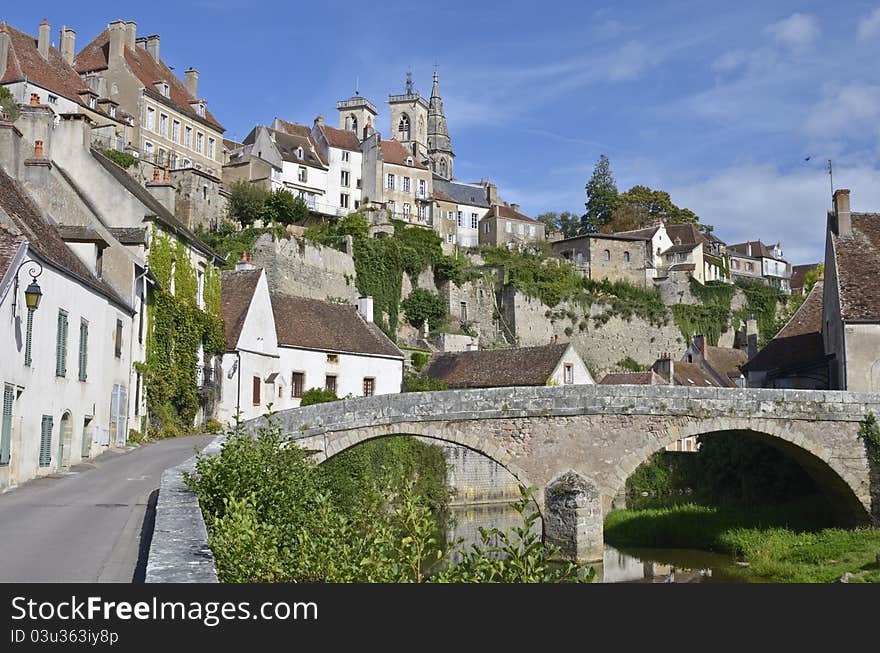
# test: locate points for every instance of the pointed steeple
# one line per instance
(439, 144)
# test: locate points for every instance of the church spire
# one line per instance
(439, 144)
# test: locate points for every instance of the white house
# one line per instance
(553, 364)
(471, 206)
(64, 365)
(342, 152)
(279, 346)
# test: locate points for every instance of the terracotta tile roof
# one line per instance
(758, 249)
(315, 324)
(341, 138)
(858, 260)
(443, 197)
(510, 214)
(687, 247)
(394, 152)
(9, 246)
(687, 233)
(493, 368)
(799, 342)
(231, 145)
(798, 272)
(43, 237)
(691, 375)
(237, 291)
(94, 56)
(25, 62)
(633, 378)
(288, 142)
(726, 361)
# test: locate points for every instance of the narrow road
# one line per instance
(86, 526)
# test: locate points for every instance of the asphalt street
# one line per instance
(90, 524)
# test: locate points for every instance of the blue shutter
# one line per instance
(28, 338)
(6, 424)
(46, 441)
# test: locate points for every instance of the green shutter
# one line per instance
(83, 350)
(46, 441)
(6, 424)
(28, 338)
(61, 345)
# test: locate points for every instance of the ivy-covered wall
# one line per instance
(177, 327)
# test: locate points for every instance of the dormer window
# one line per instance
(299, 153)
(201, 108)
(409, 161)
(162, 87)
(112, 111)
(92, 102)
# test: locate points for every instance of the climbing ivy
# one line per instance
(869, 431)
(709, 320)
(177, 328)
(761, 302)
(716, 293)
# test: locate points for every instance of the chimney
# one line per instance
(155, 174)
(117, 39)
(244, 263)
(68, 45)
(43, 40)
(319, 120)
(191, 81)
(751, 338)
(665, 367)
(515, 207)
(491, 193)
(163, 191)
(365, 307)
(35, 99)
(141, 42)
(700, 345)
(748, 248)
(130, 34)
(38, 149)
(4, 48)
(841, 210)
(153, 46)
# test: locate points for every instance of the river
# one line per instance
(643, 565)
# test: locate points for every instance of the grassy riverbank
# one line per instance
(780, 543)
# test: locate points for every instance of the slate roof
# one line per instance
(858, 260)
(395, 152)
(288, 140)
(799, 342)
(642, 234)
(94, 57)
(758, 249)
(162, 214)
(80, 234)
(692, 375)
(315, 324)
(25, 62)
(129, 235)
(237, 291)
(462, 193)
(687, 247)
(687, 233)
(45, 240)
(494, 368)
(798, 272)
(725, 360)
(633, 378)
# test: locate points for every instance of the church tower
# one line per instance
(357, 114)
(409, 120)
(439, 145)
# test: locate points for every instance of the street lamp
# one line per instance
(32, 294)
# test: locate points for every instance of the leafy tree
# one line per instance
(422, 383)
(8, 104)
(317, 396)
(811, 277)
(247, 203)
(566, 222)
(642, 206)
(601, 197)
(422, 306)
(283, 207)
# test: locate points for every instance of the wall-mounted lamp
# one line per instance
(32, 294)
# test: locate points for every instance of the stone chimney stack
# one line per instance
(164, 191)
(665, 367)
(130, 34)
(245, 263)
(153, 47)
(68, 44)
(491, 194)
(191, 81)
(700, 345)
(751, 337)
(117, 39)
(43, 39)
(842, 211)
(515, 207)
(365, 308)
(4, 48)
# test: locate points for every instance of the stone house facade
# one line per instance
(607, 256)
(505, 226)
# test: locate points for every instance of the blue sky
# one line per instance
(717, 105)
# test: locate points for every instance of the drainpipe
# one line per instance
(238, 394)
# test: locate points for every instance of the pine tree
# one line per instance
(601, 197)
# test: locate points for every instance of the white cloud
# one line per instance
(629, 61)
(845, 111)
(759, 201)
(798, 31)
(869, 26)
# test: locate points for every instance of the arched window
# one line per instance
(354, 124)
(403, 128)
(607, 255)
(443, 167)
(626, 257)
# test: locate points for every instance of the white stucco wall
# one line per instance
(40, 392)
(581, 374)
(334, 179)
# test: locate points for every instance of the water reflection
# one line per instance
(618, 566)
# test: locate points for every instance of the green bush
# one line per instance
(122, 159)
(8, 104)
(420, 359)
(317, 396)
(424, 306)
(422, 383)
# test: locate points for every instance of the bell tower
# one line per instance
(409, 119)
(357, 114)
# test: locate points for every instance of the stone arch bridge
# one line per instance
(578, 444)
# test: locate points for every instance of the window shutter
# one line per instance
(28, 338)
(61, 346)
(46, 441)
(83, 350)
(6, 424)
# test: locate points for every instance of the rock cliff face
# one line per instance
(498, 317)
